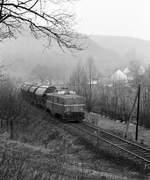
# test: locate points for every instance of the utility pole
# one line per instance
(90, 66)
(138, 112)
(131, 114)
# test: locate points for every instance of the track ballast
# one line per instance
(134, 151)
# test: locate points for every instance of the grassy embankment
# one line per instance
(42, 149)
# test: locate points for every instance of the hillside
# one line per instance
(105, 59)
(130, 48)
(24, 53)
(108, 52)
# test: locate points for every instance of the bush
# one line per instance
(13, 109)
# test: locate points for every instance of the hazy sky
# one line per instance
(114, 17)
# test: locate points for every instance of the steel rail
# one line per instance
(113, 144)
(115, 136)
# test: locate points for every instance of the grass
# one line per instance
(44, 150)
(119, 128)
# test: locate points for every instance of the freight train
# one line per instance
(62, 103)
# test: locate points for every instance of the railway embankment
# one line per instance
(24, 161)
(45, 149)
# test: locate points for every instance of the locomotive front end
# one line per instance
(74, 108)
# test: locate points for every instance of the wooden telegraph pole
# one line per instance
(131, 114)
(138, 112)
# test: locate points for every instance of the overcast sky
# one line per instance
(114, 17)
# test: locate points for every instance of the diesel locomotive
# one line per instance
(62, 103)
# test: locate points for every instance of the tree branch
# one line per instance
(41, 24)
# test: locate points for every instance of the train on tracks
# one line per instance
(62, 103)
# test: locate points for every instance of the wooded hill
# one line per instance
(108, 53)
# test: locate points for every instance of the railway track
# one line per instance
(133, 150)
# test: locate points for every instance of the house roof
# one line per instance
(119, 76)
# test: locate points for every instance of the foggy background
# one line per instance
(117, 32)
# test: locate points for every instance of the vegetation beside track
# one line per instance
(26, 130)
(119, 128)
(50, 147)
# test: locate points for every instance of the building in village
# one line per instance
(119, 76)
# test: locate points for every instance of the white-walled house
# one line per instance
(119, 76)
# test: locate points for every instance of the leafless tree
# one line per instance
(92, 74)
(12, 109)
(42, 22)
(82, 80)
(41, 72)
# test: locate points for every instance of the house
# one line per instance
(119, 76)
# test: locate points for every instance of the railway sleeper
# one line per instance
(119, 144)
(134, 148)
(142, 154)
(110, 137)
(115, 147)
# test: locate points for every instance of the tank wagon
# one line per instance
(31, 93)
(25, 90)
(40, 94)
(36, 94)
(62, 103)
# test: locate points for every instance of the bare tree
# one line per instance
(82, 80)
(92, 75)
(42, 22)
(13, 110)
(134, 67)
(41, 72)
(76, 78)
